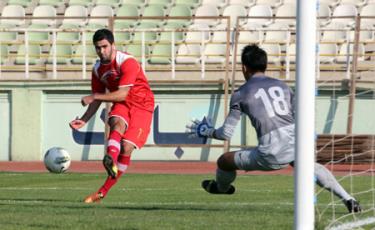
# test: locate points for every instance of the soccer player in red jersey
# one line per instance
(132, 107)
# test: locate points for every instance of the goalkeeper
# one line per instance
(268, 103)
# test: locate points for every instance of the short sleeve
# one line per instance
(130, 70)
(96, 85)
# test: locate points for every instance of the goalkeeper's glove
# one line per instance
(199, 128)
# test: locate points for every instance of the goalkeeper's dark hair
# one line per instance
(254, 58)
(103, 34)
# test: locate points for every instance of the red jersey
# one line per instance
(123, 71)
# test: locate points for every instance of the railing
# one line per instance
(282, 58)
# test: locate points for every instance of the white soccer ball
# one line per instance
(57, 160)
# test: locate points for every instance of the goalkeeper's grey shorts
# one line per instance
(253, 159)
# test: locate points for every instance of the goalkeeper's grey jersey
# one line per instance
(268, 103)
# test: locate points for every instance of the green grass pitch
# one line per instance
(54, 201)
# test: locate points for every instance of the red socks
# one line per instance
(114, 145)
(123, 163)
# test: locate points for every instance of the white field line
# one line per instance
(354, 224)
(131, 189)
(163, 203)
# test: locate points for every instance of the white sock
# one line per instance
(326, 180)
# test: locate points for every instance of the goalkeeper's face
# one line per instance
(104, 50)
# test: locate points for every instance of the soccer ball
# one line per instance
(57, 160)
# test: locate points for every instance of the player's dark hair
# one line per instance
(103, 34)
(254, 58)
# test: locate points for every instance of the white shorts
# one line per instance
(253, 159)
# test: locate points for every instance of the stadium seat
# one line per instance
(220, 35)
(34, 52)
(216, 3)
(78, 51)
(334, 33)
(99, 11)
(153, 11)
(325, 13)
(259, 11)
(44, 11)
(136, 51)
(195, 33)
(72, 24)
(63, 54)
(330, 3)
(346, 53)
(344, 10)
(164, 3)
(366, 35)
(357, 3)
(3, 53)
(327, 53)
(244, 3)
(122, 37)
(13, 11)
(250, 36)
(23, 3)
(273, 52)
(38, 37)
(138, 3)
(54, 3)
(111, 3)
(41, 11)
(190, 3)
(368, 11)
(161, 54)
(188, 54)
(286, 10)
(215, 53)
(85, 3)
(273, 3)
(234, 11)
(150, 33)
(75, 11)
(166, 36)
(279, 34)
(126, 11)
(179, 11)
(206, 11)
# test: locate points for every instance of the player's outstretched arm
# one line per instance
(91, 110)
(115, 96)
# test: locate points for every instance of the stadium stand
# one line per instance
(193, 37)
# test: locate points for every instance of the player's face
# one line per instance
(104, 50)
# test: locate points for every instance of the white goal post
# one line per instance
(305, 115)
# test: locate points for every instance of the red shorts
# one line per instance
(138, 122)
